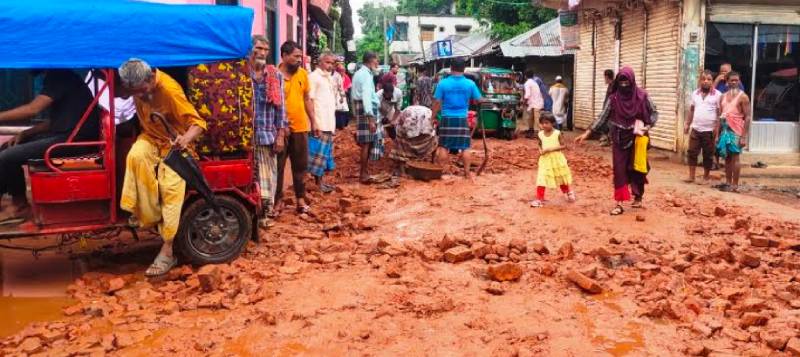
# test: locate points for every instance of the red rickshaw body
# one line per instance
(81, 194)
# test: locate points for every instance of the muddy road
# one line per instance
(461, 269)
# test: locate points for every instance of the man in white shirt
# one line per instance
(124, 108)
(323, 94)
(703, 123)
(534, 103)
(560, 94)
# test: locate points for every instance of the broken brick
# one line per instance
(457, 254)
(584, 282)
(505, 272)
(209, 276)
(753, 319)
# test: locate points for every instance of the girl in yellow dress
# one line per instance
(553, 169)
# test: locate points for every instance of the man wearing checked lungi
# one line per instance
(364, 107)
(451, 99)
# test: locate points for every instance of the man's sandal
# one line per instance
(618, 210)
(637, 204)
(161, 266)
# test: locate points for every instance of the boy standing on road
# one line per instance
(702, 123)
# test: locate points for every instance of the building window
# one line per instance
(731, 43)
(463, 29)
(289, 28)
(401, 33)
(271, 27)
(289, 2)
(777, 94)
(426, 32)
(227, 2)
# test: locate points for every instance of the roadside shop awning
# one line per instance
(542, 41)
(105, 33)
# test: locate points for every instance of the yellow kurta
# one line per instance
(152, 192)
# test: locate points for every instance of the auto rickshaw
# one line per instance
(498, 107)
(77, 197)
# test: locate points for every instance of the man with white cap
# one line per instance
(560, 95)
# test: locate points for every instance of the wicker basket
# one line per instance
(425, 171)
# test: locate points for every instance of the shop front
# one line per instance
(762, 42)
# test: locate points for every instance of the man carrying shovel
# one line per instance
(451, 99)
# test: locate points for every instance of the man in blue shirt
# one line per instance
(721, 82)
(451, 99)
(365, 108)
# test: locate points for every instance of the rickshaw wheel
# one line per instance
(206, 238)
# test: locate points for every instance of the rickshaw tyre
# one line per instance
(243, 216)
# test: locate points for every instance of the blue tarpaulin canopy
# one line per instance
(105, 33)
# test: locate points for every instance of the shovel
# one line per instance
(485, 150)
(187, 168)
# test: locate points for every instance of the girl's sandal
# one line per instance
(161, 266)
(537, 204)
(303, 209)
(571, 197)
(618, 210)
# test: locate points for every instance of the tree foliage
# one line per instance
(414, 7)
(507, 18)
(371, 18)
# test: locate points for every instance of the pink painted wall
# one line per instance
(283, 10)
(256, 5)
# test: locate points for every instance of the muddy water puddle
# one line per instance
(33, 289)
(616, 342)
(18, 312)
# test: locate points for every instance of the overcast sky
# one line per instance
(357, 4)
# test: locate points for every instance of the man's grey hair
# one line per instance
(327, 53)
(256, 39)
(135, 72)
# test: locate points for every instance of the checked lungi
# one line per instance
(454, 134)
(364, 136)
(410, 149)
(320, 154)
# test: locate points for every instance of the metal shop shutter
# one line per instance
(773, 14)
(661, 73)
(632, 43)
(605, 59)
(583, 96)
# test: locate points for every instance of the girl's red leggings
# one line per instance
(540, 191)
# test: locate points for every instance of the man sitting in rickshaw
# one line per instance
(152, 192)
(67, 97)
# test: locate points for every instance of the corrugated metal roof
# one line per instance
(542, 41)
(463, 46)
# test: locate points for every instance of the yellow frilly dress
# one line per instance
(553, 169)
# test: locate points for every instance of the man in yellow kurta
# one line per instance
(152, 192)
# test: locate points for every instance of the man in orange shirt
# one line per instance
(153, 193)
(300, 112)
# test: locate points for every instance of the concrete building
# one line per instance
(415, 33)
(279, 20)
(668, 43)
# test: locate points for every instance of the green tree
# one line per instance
(506, 18)
(415, 7)
(371, 18)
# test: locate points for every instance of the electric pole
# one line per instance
(385, 40)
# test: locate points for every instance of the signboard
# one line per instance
(444, 48)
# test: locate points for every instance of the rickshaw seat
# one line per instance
(75, 163)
